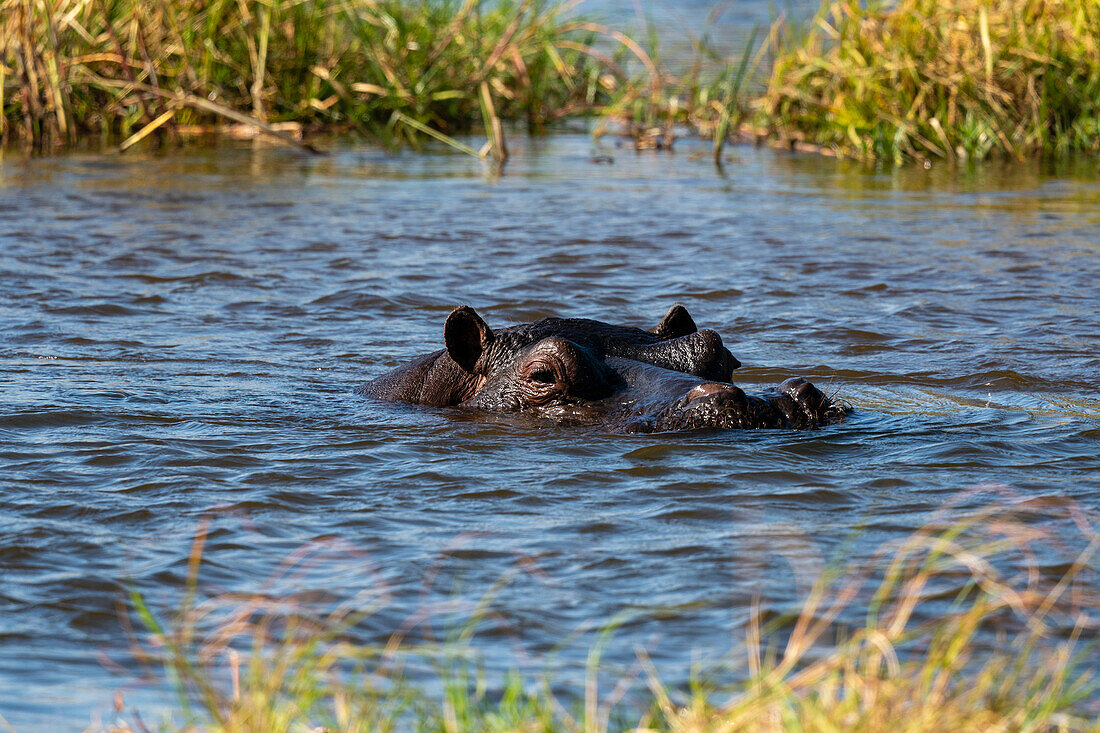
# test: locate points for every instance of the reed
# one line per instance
(115, 68)
(949, 79)
(920, 661)
(911, 79)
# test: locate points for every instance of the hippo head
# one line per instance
(475, 353)
(519, 374)
(675, 343)
(619, 385)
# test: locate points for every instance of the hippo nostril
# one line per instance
(802, 391)
(705, 390)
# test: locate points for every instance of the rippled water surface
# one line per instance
(183, 334)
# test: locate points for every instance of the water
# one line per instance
(182, 334)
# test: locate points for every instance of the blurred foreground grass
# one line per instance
(959, 627)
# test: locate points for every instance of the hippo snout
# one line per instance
(709, 389)
(794, 403)
(806, 405)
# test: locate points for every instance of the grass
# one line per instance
(900, 80)
(946, 79)
(962, 630)
(392, 69)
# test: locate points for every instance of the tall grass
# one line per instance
(391, 68)
(897, 80)
(395, 70)
(954, 79)
(959, 627)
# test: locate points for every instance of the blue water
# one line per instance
(182, 334)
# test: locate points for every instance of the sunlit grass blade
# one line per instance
(146, 131)
(436, 134)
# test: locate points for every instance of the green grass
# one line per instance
(265, 663)
(951, 79)
(72, 68)
(897, 81)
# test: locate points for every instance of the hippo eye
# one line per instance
(544, 376)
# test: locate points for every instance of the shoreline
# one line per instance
(850, 82)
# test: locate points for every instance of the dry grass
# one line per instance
(963, 630)
(900, 674)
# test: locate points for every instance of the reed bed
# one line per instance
(899, 80)
(395, 70)
(940, 79)
(962, 630)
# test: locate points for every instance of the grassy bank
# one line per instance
(957, 628)
(953, 79)
(391, 69)
(122, 71)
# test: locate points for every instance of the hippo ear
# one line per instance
(676, 323)
(466, 336)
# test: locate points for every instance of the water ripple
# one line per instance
(183, 334)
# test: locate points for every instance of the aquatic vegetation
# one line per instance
(922, 659)
(712, 98)
(954, 79)
(396, 70)
(913, 79)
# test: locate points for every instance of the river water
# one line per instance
(182, 335)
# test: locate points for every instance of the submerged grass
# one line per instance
(962, 630)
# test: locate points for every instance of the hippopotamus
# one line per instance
(674, 376)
